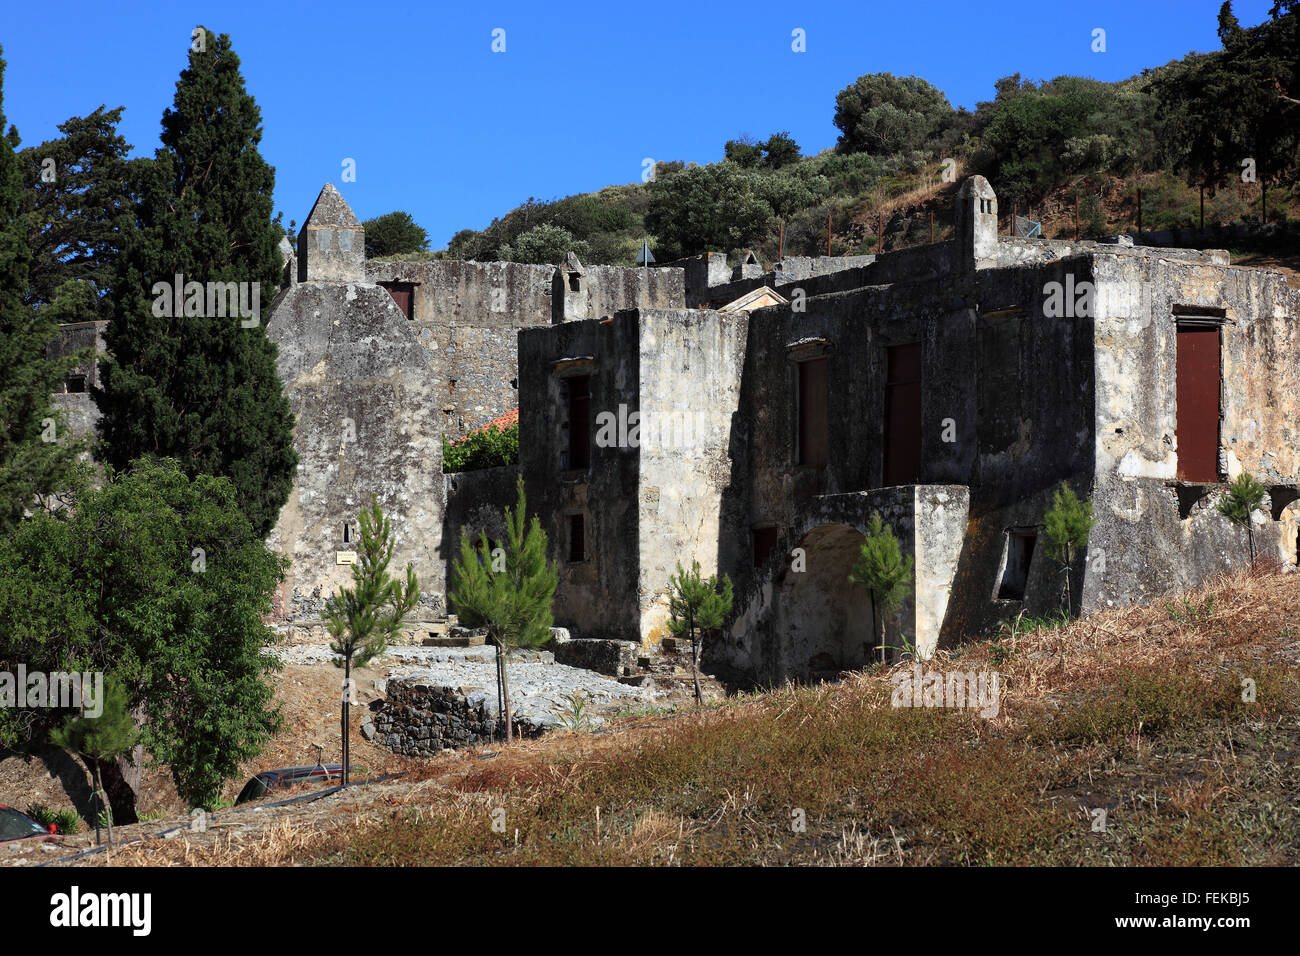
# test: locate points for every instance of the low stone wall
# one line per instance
(614, 658)
(417, 720)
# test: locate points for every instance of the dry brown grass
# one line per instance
(1135, 711)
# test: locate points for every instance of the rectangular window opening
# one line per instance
(76, 383)
(577, 538)
(1015, 565)
(765, 540)
(579, 402)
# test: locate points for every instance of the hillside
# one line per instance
(1138, 712)
(1077, 154)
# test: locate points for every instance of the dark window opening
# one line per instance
(579, 400)
(902, 465)
(403, 294)
(76, 383)
(765, 540)
(1015, 568)
(1197, 383)
(577, 538)
(575, 283)
(813, 407)
(347, 533)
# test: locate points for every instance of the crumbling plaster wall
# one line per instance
(690, 373)
(1146, 541)
(806, 618)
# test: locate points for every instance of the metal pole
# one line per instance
(780, 252)
(828, 234)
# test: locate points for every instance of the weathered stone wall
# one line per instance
(597, 596)
(805, 619)
(467, 315)
(80, 409)
(605, 290)
(1155, 533)
(476, 501)
(357, 379)
(701, 273)
(691, 364)
(797, 268)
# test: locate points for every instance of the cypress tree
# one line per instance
(34, 462)
(201, 388)
(78, 197)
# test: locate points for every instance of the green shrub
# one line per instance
(489, 448)
(66, 820)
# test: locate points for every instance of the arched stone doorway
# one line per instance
(822, 621)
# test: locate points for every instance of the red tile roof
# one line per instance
(502, 422)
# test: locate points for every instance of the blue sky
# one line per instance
(455, 134)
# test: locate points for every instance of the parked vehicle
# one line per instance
(268, 780)
(16, 825)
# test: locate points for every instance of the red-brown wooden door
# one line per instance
(813, 411)
(1197, 390)
(903, 414)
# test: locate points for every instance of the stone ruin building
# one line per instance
(755, 421)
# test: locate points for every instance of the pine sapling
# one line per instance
(364, 618)
(508, 590)
(695, 606)
(1067, 525)
(1243, 496)
(884, 573)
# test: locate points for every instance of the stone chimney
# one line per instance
(976, 219)
(332, 244)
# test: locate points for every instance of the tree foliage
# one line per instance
(109, 735)
(695, 607)
(393, 234)
(203, 390)
(880, 114)
(35, 463)
(723, 207)
(364, 619)
(507, 588)
(544, 244)
(158, 580)
(883, 572)
(1243, 496)
(77, 221)
(1067, 524)
(489, 447)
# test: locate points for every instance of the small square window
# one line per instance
(76, 383)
